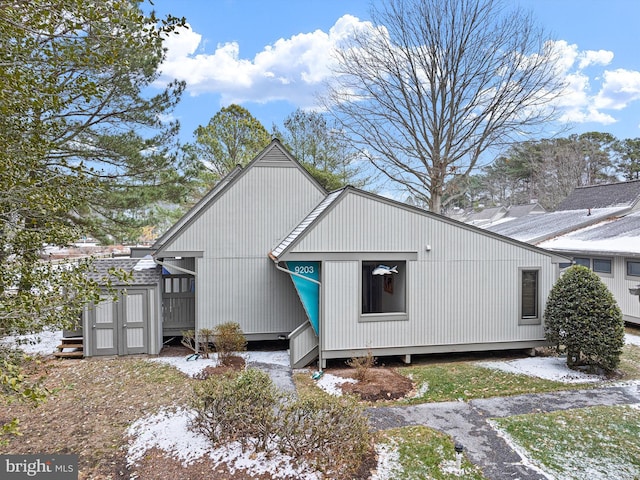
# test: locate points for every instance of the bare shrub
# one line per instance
(205, 338)
(362, 365)
(228, 339)
(189, 340)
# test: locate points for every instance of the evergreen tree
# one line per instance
(583, 319)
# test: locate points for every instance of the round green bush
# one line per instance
(583, 320)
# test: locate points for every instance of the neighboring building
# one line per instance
(494, 215)
(597, 226)
(342, 274)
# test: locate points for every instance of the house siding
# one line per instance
(463, 291)
(236, 281)
(619, 285)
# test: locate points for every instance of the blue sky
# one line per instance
(270, 57)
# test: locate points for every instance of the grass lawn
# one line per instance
(420, 452)
(598, 443)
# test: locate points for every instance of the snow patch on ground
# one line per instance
(548, 368)
(43, 343)
(524, 455)
(168, 431)
(389, 466)
(631, 339)
(193, 367)
(331, 383)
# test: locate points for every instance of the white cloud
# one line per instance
(295, 68)
(592, 57)
(619, 88)
(587, 95)
(289, 69)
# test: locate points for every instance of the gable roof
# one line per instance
(270, 155)
(306, 222)
(333, 199)
(608, 195)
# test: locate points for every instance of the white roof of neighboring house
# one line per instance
(540, 227)
(613, 236)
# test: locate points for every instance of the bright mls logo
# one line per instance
(50, 467)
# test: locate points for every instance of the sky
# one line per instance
(271, 57)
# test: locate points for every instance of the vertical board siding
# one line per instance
(104, 311)
(104, 338)
(249, 291)
(236, 281)
(253, 216)
(619, 286)
(303, 343)
(464, 290)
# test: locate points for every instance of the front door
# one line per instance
(120, 328)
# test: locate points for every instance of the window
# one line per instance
(633, 268)
(585, 262)
(602, 265)
(384, 288)
(598, 265)
(529, 298)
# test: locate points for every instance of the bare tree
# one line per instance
(434, 83)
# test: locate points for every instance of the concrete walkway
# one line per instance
(467, 422)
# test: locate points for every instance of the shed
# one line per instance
(132, 324)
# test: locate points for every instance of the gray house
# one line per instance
(397, 280)
(338, 274)
(596, 226)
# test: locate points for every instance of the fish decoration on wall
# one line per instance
(384, 270)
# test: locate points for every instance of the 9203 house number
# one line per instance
(304, 269)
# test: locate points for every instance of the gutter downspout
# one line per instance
(276, 262)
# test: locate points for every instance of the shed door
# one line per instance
(103, 320)
(134, 320)
(121, 328)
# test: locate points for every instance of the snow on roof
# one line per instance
(299, 230)
(619, 235)
(540, 227)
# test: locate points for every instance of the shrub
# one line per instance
(237, 406)
(583, 319)
(330, 433)
(363, 366)
(205, 337)
(228, 339)
(189, 340)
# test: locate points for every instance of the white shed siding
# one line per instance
(464, 290)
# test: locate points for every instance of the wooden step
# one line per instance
(74, 344)
(78, 354)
